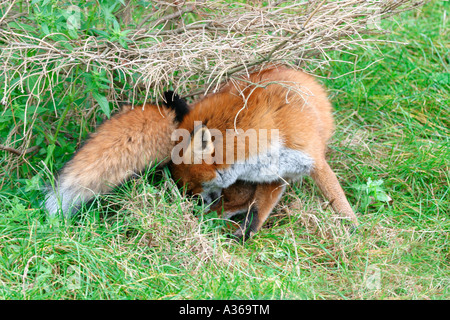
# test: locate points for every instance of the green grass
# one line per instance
(146, 242)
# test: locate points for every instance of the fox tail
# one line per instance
(114, 154)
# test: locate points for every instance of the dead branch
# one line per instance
(18, 152)
(193, 53)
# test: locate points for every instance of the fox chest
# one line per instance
(276, 164)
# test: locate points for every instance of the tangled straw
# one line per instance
(191, 46)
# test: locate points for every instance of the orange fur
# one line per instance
(122, 146)
(275, 98)
(236, 198)
(304, 127)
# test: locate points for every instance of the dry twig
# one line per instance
(205, 43)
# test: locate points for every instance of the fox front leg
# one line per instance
(235, 199)
(329, 185)
(267, 195)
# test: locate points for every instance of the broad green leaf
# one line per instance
(103, 102)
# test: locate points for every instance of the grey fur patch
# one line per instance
(67, 198)
(280, 163)
(62, 200)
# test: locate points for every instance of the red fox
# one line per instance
(122, 146)
(288, 104)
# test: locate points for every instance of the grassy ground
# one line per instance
(391, 152)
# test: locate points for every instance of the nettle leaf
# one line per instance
(103, 102)
(382, 196)
(45, 28)
(33, 184)
(19, 25)
(372, 192)
(359, 187)
(73, 33)
(50, 150)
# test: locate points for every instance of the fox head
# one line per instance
(193, 165)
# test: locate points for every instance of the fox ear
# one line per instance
(201, 145)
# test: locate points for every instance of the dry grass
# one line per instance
(194, 46)
(191, 46)
(172, 226)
